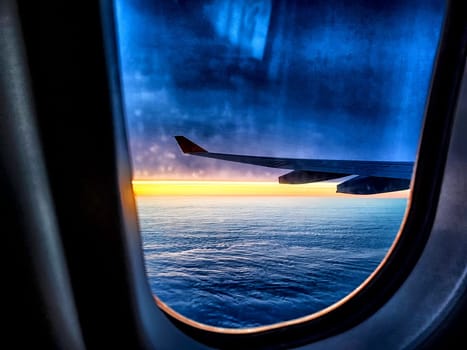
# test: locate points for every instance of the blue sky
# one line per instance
(313, 79)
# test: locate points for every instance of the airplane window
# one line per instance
(272, 144)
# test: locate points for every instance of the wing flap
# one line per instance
(372, 185)
(298, 177)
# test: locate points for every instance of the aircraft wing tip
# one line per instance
(188, 146)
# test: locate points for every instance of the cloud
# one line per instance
(346, 81)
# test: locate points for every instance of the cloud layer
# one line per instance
(314, 79)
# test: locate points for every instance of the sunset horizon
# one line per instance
(242, 188)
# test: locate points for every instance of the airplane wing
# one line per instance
(373, 176)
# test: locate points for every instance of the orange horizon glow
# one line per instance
(244, 188)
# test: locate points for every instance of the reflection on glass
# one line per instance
(224, 243)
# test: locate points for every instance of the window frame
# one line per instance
(411, 238)
(75, 73)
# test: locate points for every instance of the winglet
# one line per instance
(188, 146)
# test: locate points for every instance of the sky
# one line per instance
(328, 79)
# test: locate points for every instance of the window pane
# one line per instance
(224, 243)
